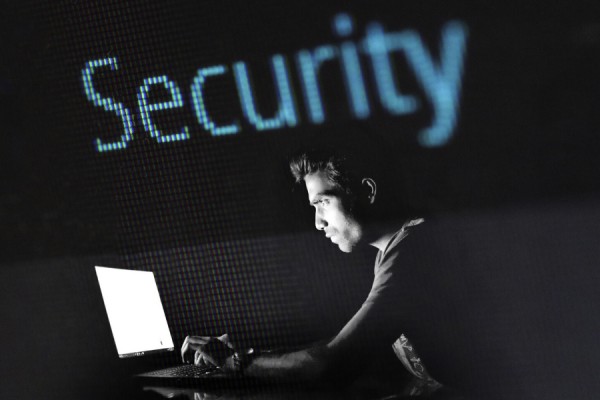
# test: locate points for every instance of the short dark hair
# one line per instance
(346, 160)
(338, 165)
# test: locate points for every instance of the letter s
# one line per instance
(107, 103)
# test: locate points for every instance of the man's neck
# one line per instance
(381, 236)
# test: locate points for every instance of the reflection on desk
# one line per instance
(362, 390)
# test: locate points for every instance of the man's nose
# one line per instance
(320, 222)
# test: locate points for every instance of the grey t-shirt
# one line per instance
(385, 269)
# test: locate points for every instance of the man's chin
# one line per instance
(345, 248)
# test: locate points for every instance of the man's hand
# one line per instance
(206, 350)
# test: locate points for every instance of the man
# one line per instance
(487, 320)
(345, 191)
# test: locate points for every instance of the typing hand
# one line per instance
(207, 350)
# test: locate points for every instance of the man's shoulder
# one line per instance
(414, 227)
(395, 266)
(418, 239)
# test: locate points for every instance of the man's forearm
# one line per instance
(310, 364)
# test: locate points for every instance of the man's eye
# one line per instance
(324, 202)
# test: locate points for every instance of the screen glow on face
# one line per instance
(331, 215)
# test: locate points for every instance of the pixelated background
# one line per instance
(219, 220)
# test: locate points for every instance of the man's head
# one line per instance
(342, 188)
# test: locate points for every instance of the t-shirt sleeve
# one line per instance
(387, 280)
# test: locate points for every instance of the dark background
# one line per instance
(231, 243)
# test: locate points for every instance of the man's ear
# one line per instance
(370, 187)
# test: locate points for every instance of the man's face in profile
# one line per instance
(332, 214)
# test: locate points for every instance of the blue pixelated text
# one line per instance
(439, 74)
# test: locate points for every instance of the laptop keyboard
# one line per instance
(182, 371)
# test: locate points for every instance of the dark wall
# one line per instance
(526, 123)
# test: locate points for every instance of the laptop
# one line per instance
(139, 325)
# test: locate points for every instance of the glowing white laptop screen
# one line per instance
(135, 312)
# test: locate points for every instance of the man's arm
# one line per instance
(363, 339)
(311, 364)
(369, 334)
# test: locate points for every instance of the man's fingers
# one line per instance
(192, 343)
(227, 340)
(184, 348)
(199, 359)
(196, 343)
(224, 338)
(187, 346)
(204, 358)
(198, 340)
(209, 360)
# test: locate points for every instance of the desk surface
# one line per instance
(366, 389)
(132, 389)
